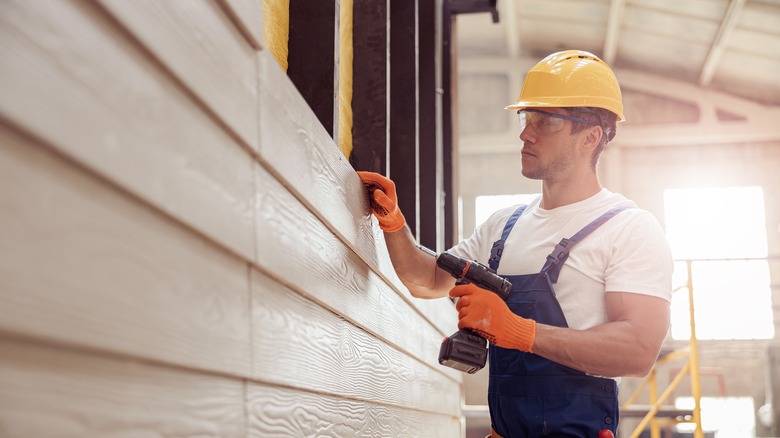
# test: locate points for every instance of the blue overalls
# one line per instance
(530, 396)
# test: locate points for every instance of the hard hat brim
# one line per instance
(572, 102)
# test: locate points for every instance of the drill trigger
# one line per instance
(465, 270)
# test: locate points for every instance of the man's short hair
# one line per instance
(604, 118)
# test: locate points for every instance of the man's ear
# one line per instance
(592, 137)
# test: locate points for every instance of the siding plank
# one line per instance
(309, 162)
(56, 393)
(203, 49)
(302, 253)
(248, 15)
(299, 344)
(82, 263)
(314, 169)
(282, 412)
(72, 79)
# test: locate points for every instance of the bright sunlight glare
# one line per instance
(727, 417)
(713, 227)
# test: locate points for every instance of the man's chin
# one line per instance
(528, 173)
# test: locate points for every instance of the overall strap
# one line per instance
(498, 246)
(552, 267)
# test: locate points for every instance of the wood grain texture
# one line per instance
(300, 251)
(55, 393)
(155, 270)
(201, 46)
(248, 16)
(300, 344)
(310, 163)
(314, 169)
(281, 412)
(441, 312)
(82, 263)
(74, 80)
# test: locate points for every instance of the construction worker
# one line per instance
(591, 272)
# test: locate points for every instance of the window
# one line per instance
(723, 232)
(728, 417)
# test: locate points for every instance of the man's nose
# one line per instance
(527, 135)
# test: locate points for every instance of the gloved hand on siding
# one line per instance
(384, 201)
(488, 315)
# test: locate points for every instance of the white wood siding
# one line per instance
(183, 249)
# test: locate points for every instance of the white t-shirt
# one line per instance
(627, 253)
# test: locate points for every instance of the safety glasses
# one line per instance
(544, 122)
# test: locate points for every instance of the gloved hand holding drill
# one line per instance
(384, 201)
(487, 314)
(480, 310)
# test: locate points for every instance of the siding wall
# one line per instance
(183, 249)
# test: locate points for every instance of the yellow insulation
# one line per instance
(276, 28)
(276, 22)
(345, 77)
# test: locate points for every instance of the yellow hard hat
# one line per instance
(572, 78)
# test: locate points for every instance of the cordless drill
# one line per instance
(466, 350)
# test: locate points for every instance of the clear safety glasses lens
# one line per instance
(544, 122)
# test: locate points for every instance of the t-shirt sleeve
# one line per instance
(641, 259)
(477, 246)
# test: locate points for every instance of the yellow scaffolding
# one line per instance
(656, 414)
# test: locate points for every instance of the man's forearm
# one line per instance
(416, 269)
(602, 351)
(626, 346)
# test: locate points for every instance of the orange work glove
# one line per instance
(384, 201)
(488, 315)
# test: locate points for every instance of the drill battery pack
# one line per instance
(465, 351)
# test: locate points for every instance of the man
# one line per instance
(590, 272)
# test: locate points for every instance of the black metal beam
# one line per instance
(451, 9)
(312, 56)
(370, 87)
(472, 6)
(430, 167)
(404, 162)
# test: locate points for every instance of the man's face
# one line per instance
(548, 155)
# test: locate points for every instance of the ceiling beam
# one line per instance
(720, 40)
(760, 123)
(616, 10)
(634, 80)
(703, 97)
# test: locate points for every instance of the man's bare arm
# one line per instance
(627, 345)
(416, 269)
